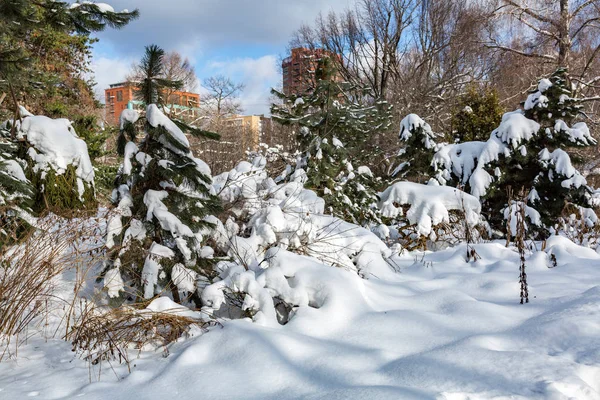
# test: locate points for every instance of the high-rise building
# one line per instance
(299, 70)
(120, 96)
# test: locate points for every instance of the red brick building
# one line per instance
(299, 70)
(120, 96)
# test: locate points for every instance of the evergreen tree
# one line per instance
(37, 36)
(526, 154)
(163, 197)
(335, 125)
(16, 192)
(478, 113)
(418, 147)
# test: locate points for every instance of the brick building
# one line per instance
(299, 69)
(120, 96)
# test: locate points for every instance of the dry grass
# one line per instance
(45, 287)
(111, 335)
(29, 270)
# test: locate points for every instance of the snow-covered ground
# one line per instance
(439, 329)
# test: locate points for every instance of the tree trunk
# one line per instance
(564, 43)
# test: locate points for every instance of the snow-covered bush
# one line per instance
(417, 213)
(525, 153)
(279, 161)
(163, 197)
(263, 214)
(268, 228)
(47, 155)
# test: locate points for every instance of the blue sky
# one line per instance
(242, 39)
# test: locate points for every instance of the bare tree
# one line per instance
(417, 54)
(555, 33)
(222, 97)
(366, 40)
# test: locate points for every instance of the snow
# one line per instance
(184, 278)
(429, 205)
(512, 212)
(537, 99)
(337, 143)
(156, 118)
(291, 217)
(440, 329)
(152, 268)
(103, 7)
(412, 122)
(578, 134)
(560, 162)
(459, 159)
(113, 282)
(166, 305)
(13, 169)
(130, 150)
(168, 221)
(364, 170)
(128, 116)
(307, 305)
(515, 128)
(55, 145)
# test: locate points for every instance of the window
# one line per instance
(120, 95)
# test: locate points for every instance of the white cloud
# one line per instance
(107, 71)
(211, 24)
(258, 75)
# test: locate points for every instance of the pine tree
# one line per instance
(16, 193)
(534, 159)
(478, 112)
(418, 147)
(335, 125)
(526, 153)
(163, 196)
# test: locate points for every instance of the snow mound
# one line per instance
(449, 330)
(429, 205)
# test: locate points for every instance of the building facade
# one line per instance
(299, 70)
(120, 96)
(248, 126)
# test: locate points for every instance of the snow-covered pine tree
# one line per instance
(19, 18)
(558, 183)
(526, 153)
(336, 129)
(417, 151)
(16, 193)
(163, 196)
